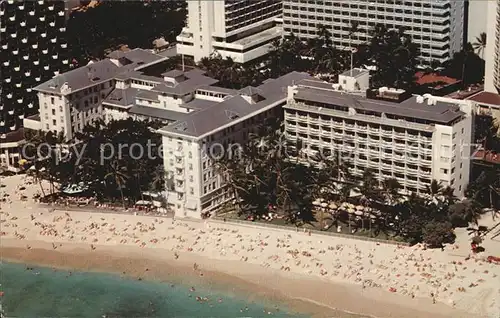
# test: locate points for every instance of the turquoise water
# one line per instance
(42, 292)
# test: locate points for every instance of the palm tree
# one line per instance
(119, 177)
(434, 189)
(480, 44)
(390, 189)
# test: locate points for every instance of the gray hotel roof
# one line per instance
(158, 113)
(355, 72)
(121, 97)
(439, 113)
(81, 77)
(198, 123)
(101, 71)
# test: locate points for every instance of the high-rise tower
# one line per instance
(34, 49)
(436, 26)
(242, 30)
(492, 51)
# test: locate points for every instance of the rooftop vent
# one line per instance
(181, 126)
(232, 115)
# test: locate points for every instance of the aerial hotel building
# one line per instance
(241, 30)
(437, 26)
(414, 140)
(492, 51)
(33, 49)
(225, 118)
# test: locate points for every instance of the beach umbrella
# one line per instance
(324, 204)
(360, 207)
(358, 212)
(316, 202)
(368, 209)
(350, 210)
(333, 206)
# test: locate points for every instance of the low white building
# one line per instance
(225, 120)
(354, 80)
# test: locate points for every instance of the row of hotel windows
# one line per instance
(360, 112)
(389, 10)
(362, 4)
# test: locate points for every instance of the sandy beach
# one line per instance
(313, 273)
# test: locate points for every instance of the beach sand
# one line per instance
(312, 273)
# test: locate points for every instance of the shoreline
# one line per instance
(301, 294)
(301, 269)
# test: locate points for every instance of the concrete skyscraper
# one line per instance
(437, 26)
(242, 30)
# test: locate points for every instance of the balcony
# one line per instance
(400, 169)
(54, 40)
(24, 40)
(33, 29)
(42, 19)
(8, 79)
(386, 133)
(43, 35)
(399, 146)
(52, 24)
(32, 13)
(3, 29)
(373, 164)
(60, 13)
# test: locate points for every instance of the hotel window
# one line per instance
(191, 190)
(52, 100)
(53, 111)
(54, 122)
(442, 170)
(190, 166)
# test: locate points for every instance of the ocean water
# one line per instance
(42, 292)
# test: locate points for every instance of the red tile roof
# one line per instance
(488, 156)
(486, 98)
(430, 78)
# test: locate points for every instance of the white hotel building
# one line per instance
(437, 26)
(226, 117)
(492, 51)
(415, 140)
(241, 30)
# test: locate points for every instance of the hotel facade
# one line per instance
(414, 140)
(436, 26)
(241, 30)
(492, 51)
